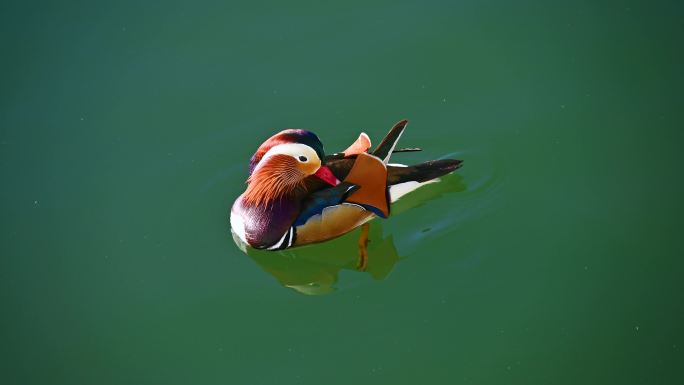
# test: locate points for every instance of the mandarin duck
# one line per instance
(297, 195)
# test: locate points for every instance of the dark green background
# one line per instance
(555, 257)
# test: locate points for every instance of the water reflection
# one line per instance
(314, 269)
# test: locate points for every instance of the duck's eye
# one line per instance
(302, 158)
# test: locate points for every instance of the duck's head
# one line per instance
(281, 164)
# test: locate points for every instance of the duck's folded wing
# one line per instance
(332, 222)
(319, 200)
(370, 174)
(325, 215)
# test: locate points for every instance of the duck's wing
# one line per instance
(368, 171)
(325, 215)
(332, 222)
(316, 202)
(370, 174)
(365, 171)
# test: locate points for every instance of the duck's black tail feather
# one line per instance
(421, 172)
(385, 148)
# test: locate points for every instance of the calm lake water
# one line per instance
(554, 256)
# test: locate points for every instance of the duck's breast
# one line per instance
(262, 226)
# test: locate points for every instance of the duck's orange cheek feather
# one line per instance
(278, 177)
(281, 166)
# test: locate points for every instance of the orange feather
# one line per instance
(277, 178)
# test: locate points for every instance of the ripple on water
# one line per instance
(476, 187)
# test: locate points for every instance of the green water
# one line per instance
(554, 256)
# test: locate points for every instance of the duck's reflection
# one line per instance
(313, 270)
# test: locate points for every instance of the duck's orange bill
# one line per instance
(327, 176)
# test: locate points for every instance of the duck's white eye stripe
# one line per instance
(294, 150)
